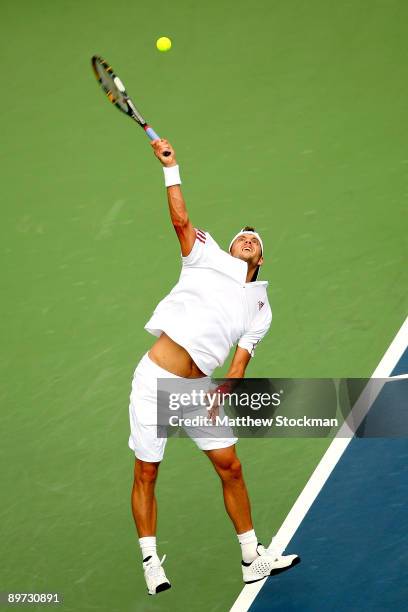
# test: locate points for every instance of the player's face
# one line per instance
(248, 248)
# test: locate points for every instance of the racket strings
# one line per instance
(115, 89)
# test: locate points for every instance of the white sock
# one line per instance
(148, 546)
(249, 543)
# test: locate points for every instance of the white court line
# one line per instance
(398, 377)
(328, 462)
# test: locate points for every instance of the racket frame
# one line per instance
(130, 108)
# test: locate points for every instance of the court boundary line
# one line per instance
(327, 463)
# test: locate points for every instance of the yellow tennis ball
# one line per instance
(163, 43)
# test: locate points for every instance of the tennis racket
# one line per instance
(116, 92)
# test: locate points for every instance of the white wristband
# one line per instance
(171, 176)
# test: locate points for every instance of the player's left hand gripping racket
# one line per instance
(116, 92)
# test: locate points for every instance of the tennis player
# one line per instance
(216, 304)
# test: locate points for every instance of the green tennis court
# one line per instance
(290, 116)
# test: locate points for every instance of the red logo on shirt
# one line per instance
(200, 235)
(260, 304)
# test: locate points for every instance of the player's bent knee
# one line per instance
(145, 472)
(233, 471)
(236, 469)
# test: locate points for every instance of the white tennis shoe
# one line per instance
(155, 577)
(268, 563)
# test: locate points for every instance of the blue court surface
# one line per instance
(352, 540)
(402, 365)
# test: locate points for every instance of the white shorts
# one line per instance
(143, 438)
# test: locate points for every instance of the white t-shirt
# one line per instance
(212, 307)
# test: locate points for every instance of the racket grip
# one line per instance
(153, 136)
(151, 133)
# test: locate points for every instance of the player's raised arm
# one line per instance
(177, 207)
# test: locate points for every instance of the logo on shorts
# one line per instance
(260, 304)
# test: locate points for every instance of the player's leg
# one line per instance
(149, 450)
(144, 504)
(236, 499)
(257, 563)
(144, 510)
